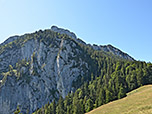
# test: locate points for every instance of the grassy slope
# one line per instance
(138, 101)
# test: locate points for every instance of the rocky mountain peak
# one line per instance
(63, 31)
(39, 67)
(106, 48)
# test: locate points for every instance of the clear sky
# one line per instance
(126, 24)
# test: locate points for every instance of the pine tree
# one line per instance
(77, 106)
(52, 107)
(101, 97)
(122, 92)
(108, 96)
(17, 111)
(89, 105)
(60, 106)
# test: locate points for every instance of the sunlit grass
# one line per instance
(138, 101)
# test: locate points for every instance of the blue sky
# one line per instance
(126, 24)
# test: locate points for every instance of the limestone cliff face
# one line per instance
(50, 72)
(37, 68)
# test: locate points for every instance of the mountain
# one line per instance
(40, 67)
(137, 101)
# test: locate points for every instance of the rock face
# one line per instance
(37, 68)
(11, 39)
(113, 50)
(48, 71)
(63, 31)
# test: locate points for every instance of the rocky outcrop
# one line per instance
(116, 51)
(113, 50)
(63, 31)
(10, 39)
(48, 72)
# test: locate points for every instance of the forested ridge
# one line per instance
(109, 78)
